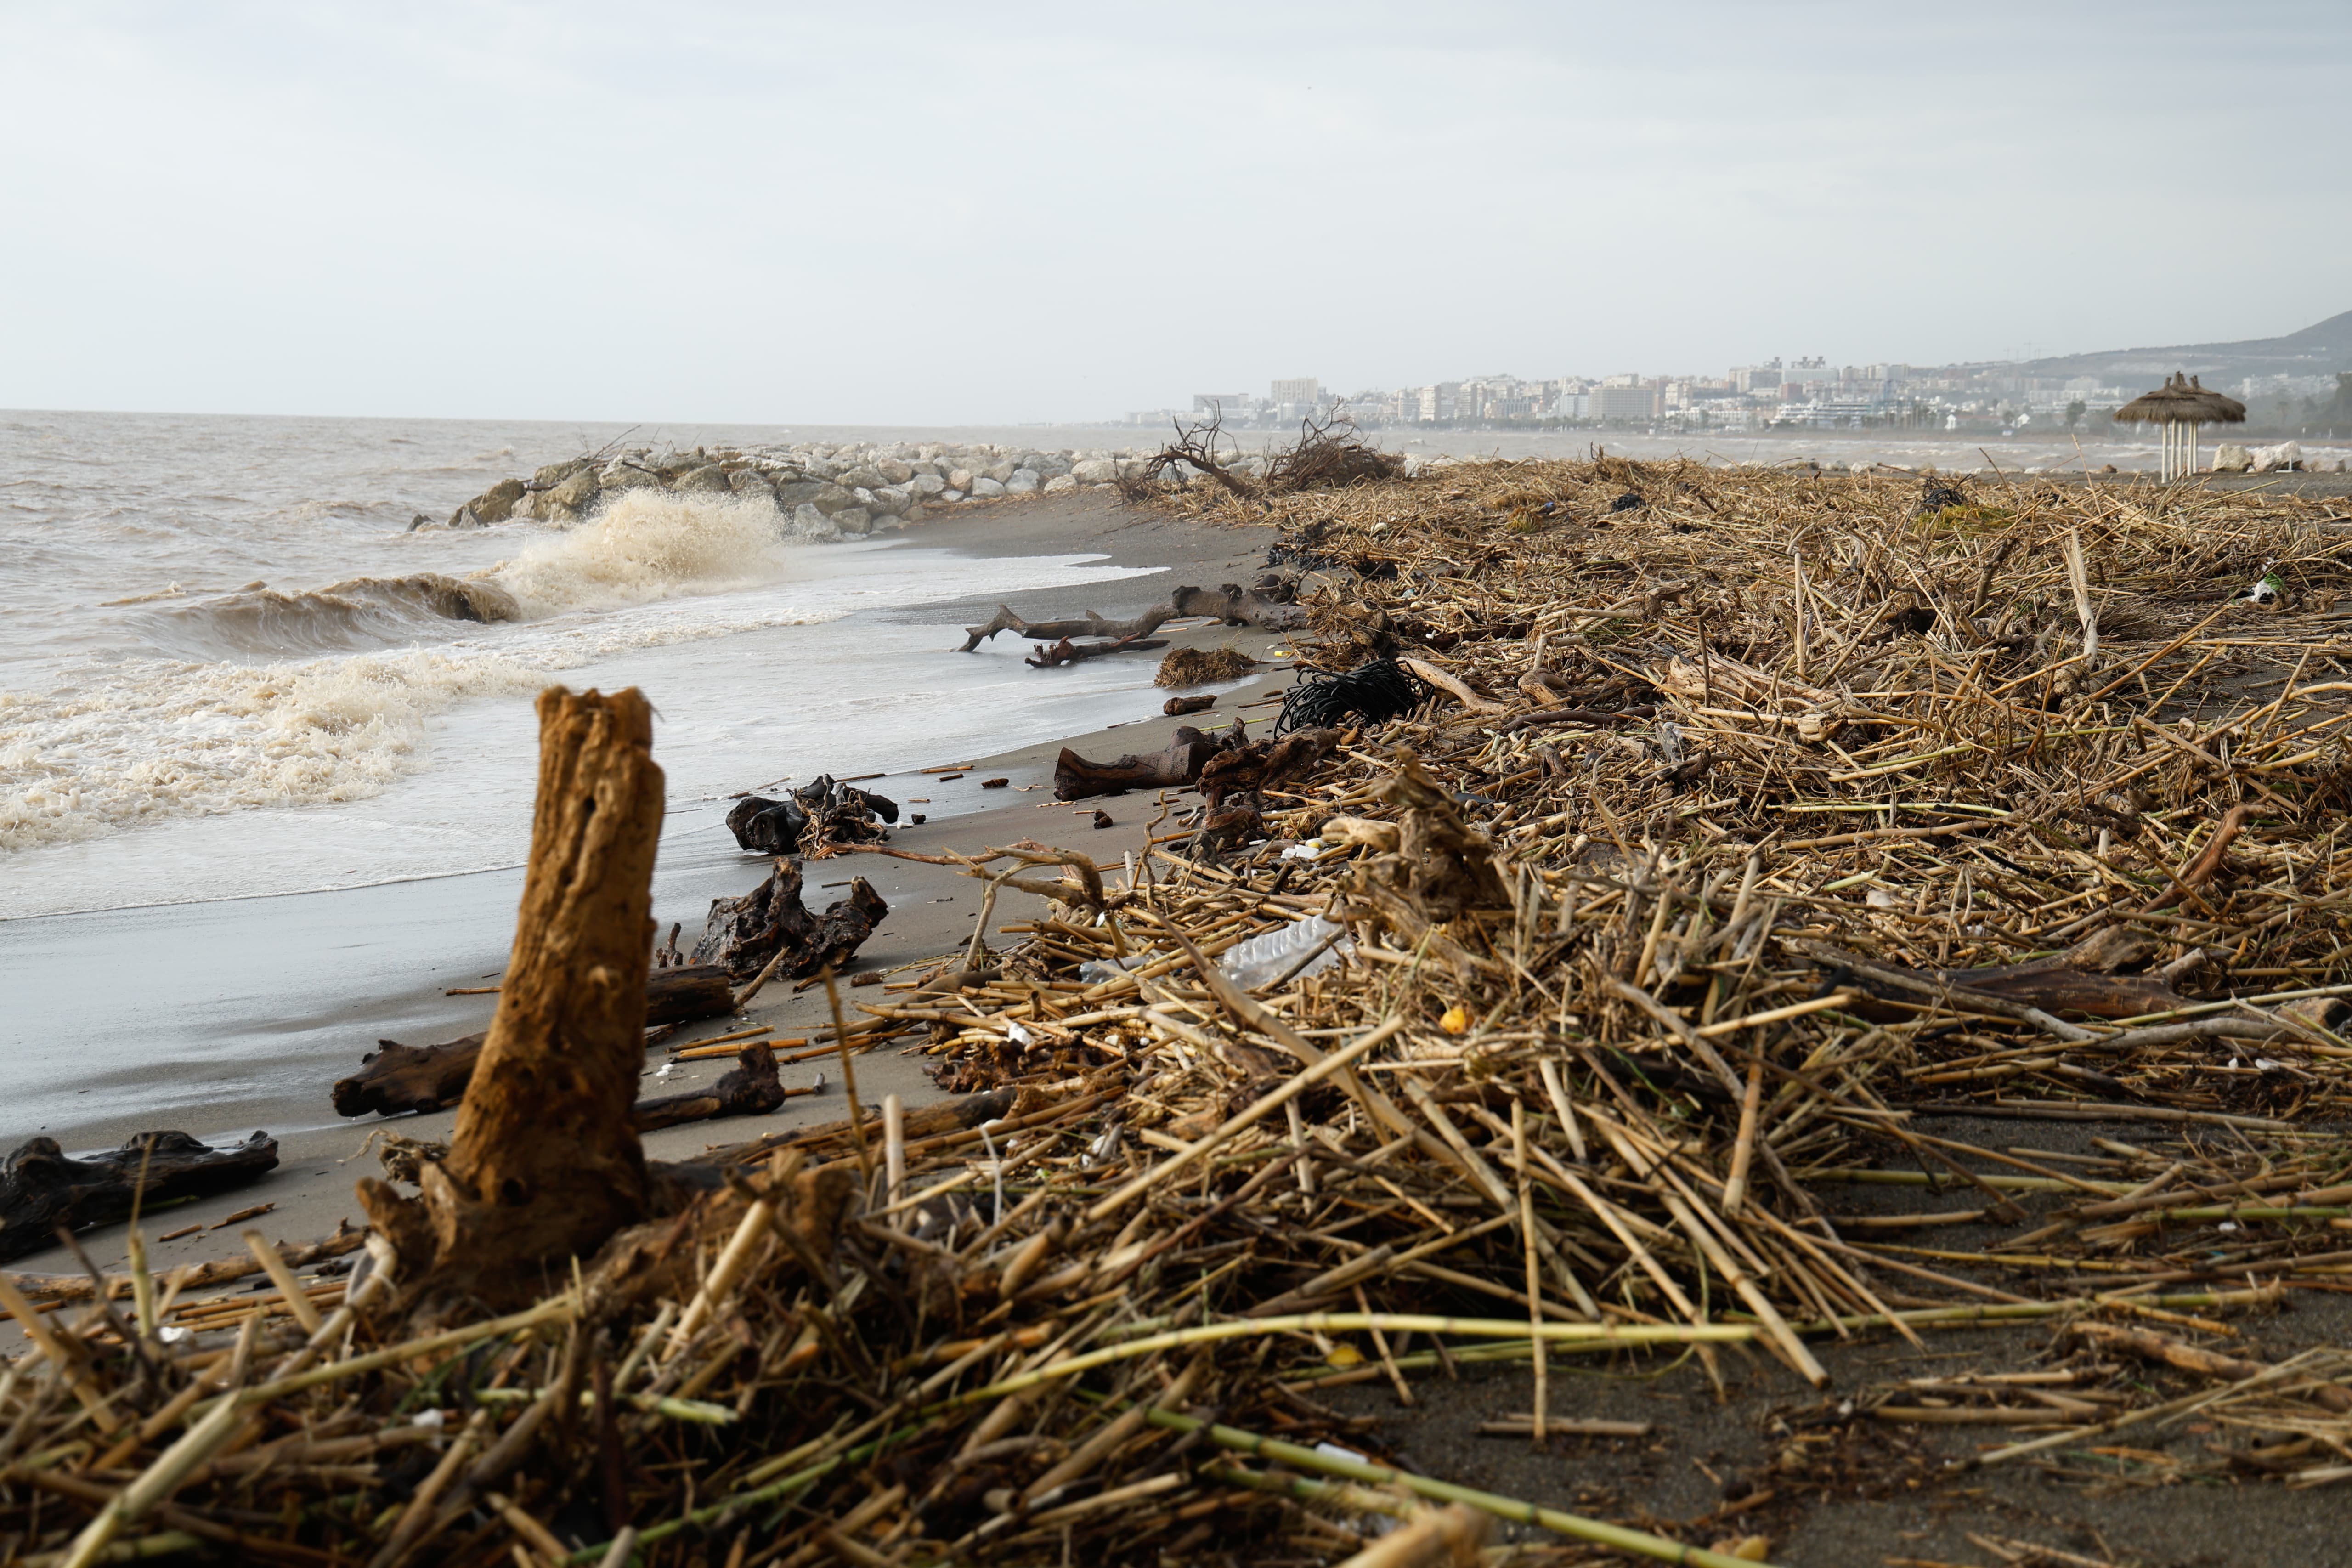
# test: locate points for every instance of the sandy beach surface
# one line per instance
(221, 1018)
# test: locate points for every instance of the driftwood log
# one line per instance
(544, 1164)
(1179, 763)
(44, 1190)
(395, 1079)
(752, 1088)
(741, 936)
(1231, 604)
(837, 812)
(1067, 652)
(79, 1287)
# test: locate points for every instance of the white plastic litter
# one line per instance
(431, 1420)
(172, 1334)
(1269, 957)
(1102, 969)
(1017, 1034)
(1306, 851)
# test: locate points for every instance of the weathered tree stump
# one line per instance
(397, 1079)
(544, 1164)
(44, 1190)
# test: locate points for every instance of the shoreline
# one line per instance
(417, 948)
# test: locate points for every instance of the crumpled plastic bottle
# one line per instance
(1261, 959)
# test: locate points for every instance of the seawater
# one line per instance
(228, 667)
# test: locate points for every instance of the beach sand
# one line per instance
(146, 1011)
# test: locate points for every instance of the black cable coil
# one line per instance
(1375, 691)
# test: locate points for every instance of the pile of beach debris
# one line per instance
(1595, 987)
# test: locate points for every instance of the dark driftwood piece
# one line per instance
(685, 992)
(44, 1190)
(740, 935)
(752, 1088)
(79, 1287)
(544, 1164)
(1188, 750)
(837, 812)
(1175, 707)
(399, 1079)
(1067, 652)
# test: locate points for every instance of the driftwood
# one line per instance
(79, 1287)
(44, 1190)
(741, 936)
(819, 813)
(1188, 750)
(398, 1079)
(1067, 652)
(752, 1088)
(544, 1164)
(1231, 604)
(1091, 625)
(1238, 606)
(1176, 707)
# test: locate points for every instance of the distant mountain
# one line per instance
(2321, 349)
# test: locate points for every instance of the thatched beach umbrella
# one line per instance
(2180, 406)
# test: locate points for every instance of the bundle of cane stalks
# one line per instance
(1620, 1004)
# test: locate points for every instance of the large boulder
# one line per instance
(1060, 482)
(890, 500)
(832, 499)
(997, 469)
(960, 477)
(984, 488)
(796, 492)
(709, 478)
(495, 504)
(2286, 457)
(554, 474)
(852, 519)
(750, 480)
(623, 476)
(1024, 481)
(925, 485)
(2229, 457)
(893, 470)
(1095, 471)
(573, 493)
(807, 522)
(864, 476)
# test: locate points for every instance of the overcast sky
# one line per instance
(914, 213)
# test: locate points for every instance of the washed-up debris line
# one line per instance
(1735, 845)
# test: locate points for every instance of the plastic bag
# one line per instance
(1262, 959)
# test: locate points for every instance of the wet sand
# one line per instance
(221, 1018)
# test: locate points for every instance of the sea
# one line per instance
(230, 669)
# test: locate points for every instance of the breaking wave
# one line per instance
(646, 545)
(357, 613)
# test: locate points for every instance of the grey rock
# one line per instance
(959, 479)
(864, 476)
(627, 478)
(495, 504)
(810, 523)
(984, 488)
(1024, 481)
(890, 500)
(950, 497)
(924, 486)
(1095, 471)
(1060, 482)
(852, 520)
(751, 481)
(893, 470)
(796, 492)
(832, 499)
(863, 497)
(997, 469)
(709, 477)
(573, 493)
(554, 474)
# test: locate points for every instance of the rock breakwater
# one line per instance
(824, 491)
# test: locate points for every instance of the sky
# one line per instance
(945, 214)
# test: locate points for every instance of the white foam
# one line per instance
(650, 545)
